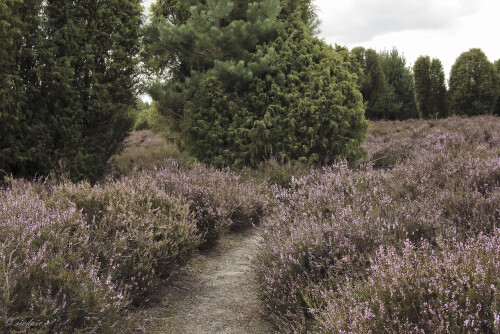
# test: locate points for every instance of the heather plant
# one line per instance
(50, 276)
(277, 172)
(428, 290)
(441, 188)
(390, 143)
(219, 199)
(74, 255)
(139, 233)
(145, 149)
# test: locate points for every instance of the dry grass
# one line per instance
(144, 150)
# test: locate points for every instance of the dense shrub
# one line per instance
(279, 91)
(49, 271)
(73, 256)
(444, 189)
(139, 232)
(427, 290)
(305, 107)
(219, 199)
(273, 171)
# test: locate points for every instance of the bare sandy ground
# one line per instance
(214, 293)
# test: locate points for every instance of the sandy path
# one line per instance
(215, 293)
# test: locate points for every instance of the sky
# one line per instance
(440, 29)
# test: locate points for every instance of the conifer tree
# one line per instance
(88, 80)
(249, 81)
(400, 79)
(379, 96)
(497, 66)
(71, 71)
(319, 116)
(439, 91)
(473, 84)
(21, 130)
(11, 94)
(430, 89)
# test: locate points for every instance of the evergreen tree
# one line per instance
(497, 66)
(473, 84)
(72, 71)
(250, 87)
(379, 96)
(175, 12)
(11, 94)
(21, 131)
(319, 116)
(423, 90)
(88, 80)
(438, 87)
(400, 79)
(214, 41)
(430, 89)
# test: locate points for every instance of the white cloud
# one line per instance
(441, 29)
(356, 21)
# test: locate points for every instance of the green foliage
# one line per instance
(400, 79)
(497, 65)
(473, 84)
(68, 79)
(152, 119)
(300, 11)
(175, 11)
(19, 127)
(10, 35)
(274, 172)
(258, 88)
(378, 95)
(307, 110)
(430, 89)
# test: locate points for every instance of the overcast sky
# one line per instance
(441, 29)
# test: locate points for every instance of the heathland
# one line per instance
(405, 240)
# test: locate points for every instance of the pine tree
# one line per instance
(249, 81)
(497, 66)
(430, 89)
(473, 84)
(379, 96)
(400, 79)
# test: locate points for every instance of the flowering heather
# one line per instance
(138, 232)
(423, 185)
(449, 289)
(48, 272)
(220, 200)
(72, 256)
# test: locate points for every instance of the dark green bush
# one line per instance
(305, 107)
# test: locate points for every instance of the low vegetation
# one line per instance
(76, 255)
(405, 242)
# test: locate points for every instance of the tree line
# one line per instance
(238, 81)
(394, 91)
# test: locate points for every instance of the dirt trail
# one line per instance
(215, 293)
